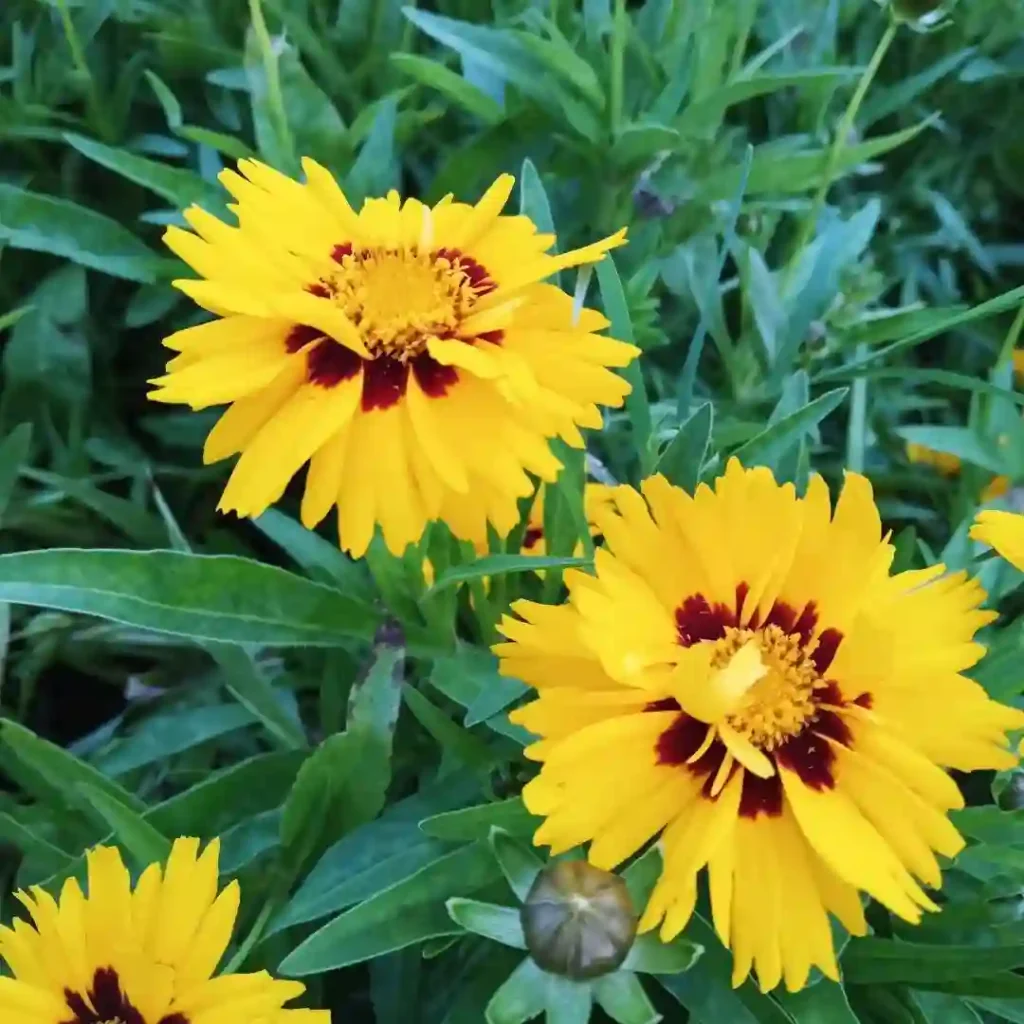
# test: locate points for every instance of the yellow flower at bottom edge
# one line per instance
(143, 956)
(411, 355)
(743, 677)
(1003, 531)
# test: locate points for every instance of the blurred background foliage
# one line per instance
(805, 295)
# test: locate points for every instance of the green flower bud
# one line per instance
(921, 14)
(579, 921)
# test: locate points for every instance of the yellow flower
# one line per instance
(1003, 531)
(142, 956)
(744, 677)
(411, 355)
(949, 465)
(944, 462)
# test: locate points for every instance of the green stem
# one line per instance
(254, 936)
(858, 424)
(1012, 337)
(272, 73)
(97, 112)
(839, 141)
(618, 56)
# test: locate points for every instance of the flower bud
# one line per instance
(579, 921)
(921, 14)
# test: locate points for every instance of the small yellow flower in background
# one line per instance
(411, 355)
(950, 465)
(944, 462)
(1003, 531)
(143, 956)
(595, 498)
(743, 677)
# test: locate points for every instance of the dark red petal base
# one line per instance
(107, 1002)
(384, 379)
(809, 754)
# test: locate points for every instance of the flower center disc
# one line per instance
(402, 299)
(779, 704)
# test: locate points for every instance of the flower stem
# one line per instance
(97, 113)
(618, 54)
(839, 141)
(275, 97)
(254, 936)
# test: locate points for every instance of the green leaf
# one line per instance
(209, 597)
(682, 458)
(519, 864)
(229, 796)
(823, 1003)
(708, 992)
(872, 961)
(226, 144)
(510, 56)
(41, 856)
(344, 783)
(957, 317)
(454, 87)
(623, 998)
(376, 168)
(534, 203)
(779, 172)
(959, 441)
(323, 560)
(494, 700)
(182, 188)
(133, 832)
(250, 687)
(60, 768)
(409, 912)
(520, 998)
(375, 856)
(468, 823)
(939, 1008)
(650, 955)
(638, 408)
(168, 101)
(567, 1002)
(62, 228)
(162, 735)
(639, 142)
(500, 924)
(704, 116)
(14, 451)
(774, 441)
(453, 739)
(500, 565)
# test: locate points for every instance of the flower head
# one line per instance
(743, 676)
(411, 355)
(119, 955)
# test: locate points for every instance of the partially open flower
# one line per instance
(578, 920)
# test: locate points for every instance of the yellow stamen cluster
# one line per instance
(399, 299)
(779, 704)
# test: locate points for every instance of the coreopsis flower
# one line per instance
(142, 955)
(743, 677)
(949, 465)
(1003, 531)
(412, 355)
